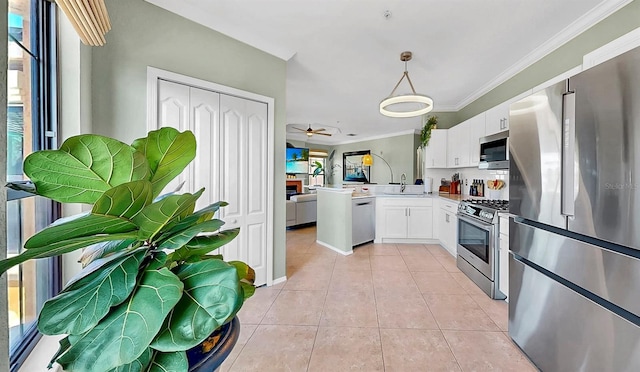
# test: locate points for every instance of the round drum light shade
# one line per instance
(367, 160)
(420, 104)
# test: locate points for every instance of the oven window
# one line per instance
(474, 239)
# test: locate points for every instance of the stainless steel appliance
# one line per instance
(363, 220)
(494, 151)
(574, 281)
(478, 237)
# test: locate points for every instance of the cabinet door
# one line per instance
(503, 276)
(476, 131)
(436, 152)
(452, 233)
(420, 222)
(452, 146)
(395, 222)
(497, 119)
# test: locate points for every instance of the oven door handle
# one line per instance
(471, 221)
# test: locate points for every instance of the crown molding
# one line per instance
(595, 15)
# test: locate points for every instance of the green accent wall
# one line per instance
(145, 35)
(562, 59)
(398, 151)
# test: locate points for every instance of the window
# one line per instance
(31, 126)
(316, 178)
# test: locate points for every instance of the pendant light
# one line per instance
(405, 105)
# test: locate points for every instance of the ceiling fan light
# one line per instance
(425, 102)
(309, 134)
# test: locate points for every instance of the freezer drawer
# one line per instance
(613, 276)
(561, 330)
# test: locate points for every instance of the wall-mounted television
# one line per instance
(297, 160)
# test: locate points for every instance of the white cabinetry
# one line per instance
(458, 146)
(476, 127)
(448, 226)
(404, 219)
(497, 118)
(436, 153)
(503, 276)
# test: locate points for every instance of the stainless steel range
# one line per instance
(478, 237)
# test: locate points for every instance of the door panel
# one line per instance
(395, 222)
(420, 223)
(607, 201)
(233, 149)
(204, 170)
(535, 147)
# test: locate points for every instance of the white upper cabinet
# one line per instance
(476, 126)
(458, 151)
(497, 118)
(435, 155)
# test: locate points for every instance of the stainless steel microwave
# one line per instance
(494, 151)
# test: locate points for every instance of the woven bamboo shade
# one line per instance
(89, 18)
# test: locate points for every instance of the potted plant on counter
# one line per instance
(150, 288)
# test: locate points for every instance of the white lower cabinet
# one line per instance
(503, 276)
(448, 226)
(404, 219)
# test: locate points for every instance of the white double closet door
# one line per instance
(231, 162)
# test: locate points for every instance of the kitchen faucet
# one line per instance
(403, 182)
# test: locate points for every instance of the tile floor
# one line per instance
(387, 307)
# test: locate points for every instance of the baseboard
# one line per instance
(334, 248)
(279, 280)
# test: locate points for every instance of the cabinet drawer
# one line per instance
(449, 206)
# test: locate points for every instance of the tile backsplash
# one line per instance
(467, 175)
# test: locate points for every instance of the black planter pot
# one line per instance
(200, 361)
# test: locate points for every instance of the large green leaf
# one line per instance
(61, 247)
(84, 303)
(168, 153)
(169, 362)
(201, 245)
(212, 294)
(64, 346)
(181, 238)
(101, 250)
(91, 224)
(139, 365)
(126, 200)
(202, 215)
(126, 332)
(84, 167)
(154, 217)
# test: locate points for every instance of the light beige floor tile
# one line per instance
(305, 279)
(437, 283)
(466, 283)
(394, 282)
(353, 262)
(346, 349)
(296, 308)
(278, 286)
(246, 330)
(498, 310)
(416, 350)
(383, 250)
(381, 263)
(351, 280)
(424, 263)
(349, 309)
(399, 310)
(437, 250)
(364, 249)
(413, 250)
(254, 308)
(459, 312)
(277, 348)
(449, 263)
(486, 351)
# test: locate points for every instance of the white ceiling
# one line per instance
(344, 55)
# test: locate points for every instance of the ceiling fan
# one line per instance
(310, 132)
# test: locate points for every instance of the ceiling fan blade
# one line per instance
(319, 130)
(324, 134)
(301, 130)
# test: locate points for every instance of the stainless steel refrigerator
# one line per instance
(574, 281)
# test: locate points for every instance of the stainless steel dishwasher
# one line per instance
(363, 220)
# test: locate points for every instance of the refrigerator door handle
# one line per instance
(567, 196)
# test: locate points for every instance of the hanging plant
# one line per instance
(425, 133)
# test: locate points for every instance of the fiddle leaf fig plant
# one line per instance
(150, 287)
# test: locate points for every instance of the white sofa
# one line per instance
(301, 209)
